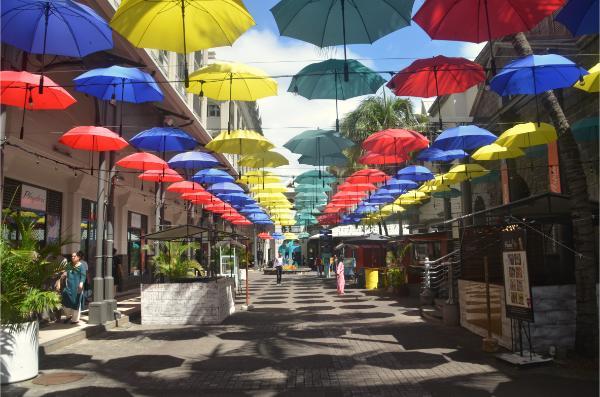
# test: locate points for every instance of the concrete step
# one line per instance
(432, 313)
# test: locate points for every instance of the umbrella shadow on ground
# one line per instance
(144, 363)
(269, 302)
(232, 363)
(412, 313)
(91, 391)
(307, 302)
(357, 307)
(167, 335)
(314, 333)
(406, 360)
(317, 361)
(64, 361)
(315, 308)
(246, 335)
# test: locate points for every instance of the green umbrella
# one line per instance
(332, 159)
(447, 194)
(312, 195)
(323, 80)
(312, 188)
(315, 177)
(318, 144)
(327, 23)
(586, 130)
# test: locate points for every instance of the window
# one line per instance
(88, 228)
(214, 110)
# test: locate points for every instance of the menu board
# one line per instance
(516, 275)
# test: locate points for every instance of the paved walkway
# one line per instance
(301, 340)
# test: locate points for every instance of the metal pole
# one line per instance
(97, 310)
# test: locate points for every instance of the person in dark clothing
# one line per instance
(279, 267)
(117, 270)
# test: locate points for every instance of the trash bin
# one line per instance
(372, 278)
(360, 278)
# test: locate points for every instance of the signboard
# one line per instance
(516, 276)
(33, 198)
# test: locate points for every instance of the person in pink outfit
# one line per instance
(339, 271)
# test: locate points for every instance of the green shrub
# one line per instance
(171, 261)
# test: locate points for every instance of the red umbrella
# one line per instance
(143, 161)
(200, 197)
(368, 175)
(482, 20)
(218, 208)
(436, 76)
(264, 236)
(395, 142)
(243, 222)
(329, 219)
(160, 176)
(333, 209)
(97, 139)
(185, 187)
(18, 89)
(355, 187)
(370, 158)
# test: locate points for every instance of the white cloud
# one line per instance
(286, 115)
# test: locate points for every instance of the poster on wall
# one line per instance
(33, 198)
(516, 274)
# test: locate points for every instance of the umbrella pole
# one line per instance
(337, 117)
(346, 73)
(121, 106)
(185, 65)
(230, 103)
(537, 107)
(27, 95)
(489, 31)
(438, 98)
(46, 15)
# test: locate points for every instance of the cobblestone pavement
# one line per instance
(300, 340)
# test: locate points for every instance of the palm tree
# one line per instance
(586, 340)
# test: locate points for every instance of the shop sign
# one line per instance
(33, 198)
(516, 276)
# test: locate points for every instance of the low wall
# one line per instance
(188, 303)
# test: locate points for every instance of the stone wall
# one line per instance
(188, 303)
(554, 309)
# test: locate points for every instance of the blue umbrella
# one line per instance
(120, 83)
(415, 173)
(163, 139)
(248, 211)
(400, 184)
(57, 27)
(580, 17)
(366, 209)
(391, 190)
(535, 74)
(465, 137)
(435, 154)
(232, 198)
(381, 198)
(211, 176)
(277, 236)
(193, 161)
(225, 187)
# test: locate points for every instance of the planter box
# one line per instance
(188, 303)
(19, 353)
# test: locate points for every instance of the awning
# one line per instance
(176, 233)
(369, 239)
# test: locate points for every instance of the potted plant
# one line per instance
(172, 264)
(27, 267)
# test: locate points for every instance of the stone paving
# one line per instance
(301, 339)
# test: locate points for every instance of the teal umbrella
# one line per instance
(452, 193)
(327, 23)
(318, 144)
(314, 196)
(323, 80)
(585, 130)
(333, 159)
(315, 177)
(312, 188)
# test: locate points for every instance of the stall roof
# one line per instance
(182, 232)
(369, 239)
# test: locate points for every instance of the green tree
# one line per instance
(172, 262)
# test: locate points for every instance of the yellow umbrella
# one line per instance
(463, 172)
(264, 159)
(259, 178)
(433, 188)
(527, 134)
(290, 236)
(269, 188)
(239, 142)
(414, 195)
(406, 201)
(224, 81)
(181, 26)
(590, 81)
(280, 211)
(496, 152)
(438, 180)
(287, 222)
(391, 209)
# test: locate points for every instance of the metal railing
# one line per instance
(440, 276)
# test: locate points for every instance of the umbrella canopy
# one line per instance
(120, 83)
(535, 74)
(142, 161)
(331, 159)
(269, 188)
(56, 27)
(413, 195)
(496, 152)
(193, 161)
(356, 187)
(264, 236)
(312, 188)
(463, 172)
(395, 142)
(580, 17)
(163, 139)
(264, 159)
(464, 137)
(185, 187)
(527, 134)
(259, 178)
(226, 81)
(435, 154)
(488, 20)
(400, 184)
(166, 175)
(415, 173)
(240, 142)
(318, 143)
(368, 175)
(225, 187)
(370, 158)
(235, 198)
(315, 177)
(211, 176)
(323, 80)
(591, 82)
(96, 139)
(18, 89)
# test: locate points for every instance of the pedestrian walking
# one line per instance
(72, 294)
(319, 266)
(341, 281)
(279, 267)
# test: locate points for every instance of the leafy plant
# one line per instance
(396, 277)
(27, 267)
(172, 261)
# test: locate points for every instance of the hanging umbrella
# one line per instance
(120, 83)
(329, 160)
(370, 158)
(143, 162)
(413, 195)
(496, 152)
(97, 139)
(18, 89)
(527, 134)
(400, 184)
(435, 154)
(464, 137)
(185, 187)
(290, 236)
(323, 80)
(580, 17)
(437, 76)
(303, 235)
(318, 143)
(240, 142)
(312, 188)
(225, 187)
(160, 176)
(163, 139)
(591, 82)
(264, 236)
(200, 197)
(55, 27)
(184, 27)
(259, 178)
(356, 187)
(586, 130)
(269, 188)
(312, 195)
(433, 188)
(235, 198)
(193, 161)
(264, 159)
(326, 23)
(211, 176)
(452, 193)
(315, 177)
(396, 142)
(463, 172)
(415, 173)
(368, 175)
(488, 20)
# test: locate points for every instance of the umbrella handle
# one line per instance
(489, 32)
(185, 64)
(46, 15)
(346, 72)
